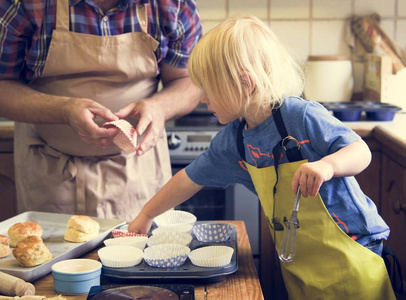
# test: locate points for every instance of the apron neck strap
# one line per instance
(240, 139)
(62, 15)
(142, 17)
(293, 154)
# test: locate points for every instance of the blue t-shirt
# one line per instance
(320, 134)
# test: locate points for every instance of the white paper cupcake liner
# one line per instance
(166, 255)
(187, 228)
(182, 238)
(171, 217)
(120, 256)
(134, 241)
(212, 232)
(211, 256)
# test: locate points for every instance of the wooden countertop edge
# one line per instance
(364, 132)
(7, 132)
(392, 144)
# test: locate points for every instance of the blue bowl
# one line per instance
(76, 276)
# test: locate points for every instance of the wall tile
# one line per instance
(332, 9)
(212, 9)
(388, 27)
(402, 8)
(385, 8)
(295, 35)
(292, 9)
(401, 34)
(328, 38)
(313, 27)
(208, 25)
(258, 8)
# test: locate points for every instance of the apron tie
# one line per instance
(68, 167)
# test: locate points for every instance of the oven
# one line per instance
(187, 138)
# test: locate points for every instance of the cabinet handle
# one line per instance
(398, 207)
(390, 186)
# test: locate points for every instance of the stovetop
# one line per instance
(190, 135)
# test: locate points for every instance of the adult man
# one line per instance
(68, 67)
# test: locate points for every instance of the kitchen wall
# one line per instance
(313, 27)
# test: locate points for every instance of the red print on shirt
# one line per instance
(256, 154)
(339, 222)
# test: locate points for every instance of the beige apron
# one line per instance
(55, 170)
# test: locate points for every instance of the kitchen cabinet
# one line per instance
(370, 178)
(393, 194)
(393, 208)
(7, 186)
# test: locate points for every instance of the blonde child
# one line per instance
(274, 143)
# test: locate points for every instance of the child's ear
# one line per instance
(247, 82)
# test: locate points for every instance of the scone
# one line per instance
(20, 231)
(31, 252)
(81, 229)
(4, 246)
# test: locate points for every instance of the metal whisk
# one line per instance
(287, 250)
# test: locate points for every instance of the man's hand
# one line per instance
(151, 118)
(177, 98)
(80, 114)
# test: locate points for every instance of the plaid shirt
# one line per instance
(26, 30)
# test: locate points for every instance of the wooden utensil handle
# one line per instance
(14, 286)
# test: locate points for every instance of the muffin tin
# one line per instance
(187, 272)
(354, 110)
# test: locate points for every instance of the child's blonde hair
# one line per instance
(237, 53)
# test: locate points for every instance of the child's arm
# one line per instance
(177, 190)
(348, 161)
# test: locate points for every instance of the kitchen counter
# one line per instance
(395, 128)
(365, 129)
(243, 284)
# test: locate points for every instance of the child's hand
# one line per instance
(141, 224)
(310, 177)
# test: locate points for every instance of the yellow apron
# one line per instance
(55, 170)
(328, 263)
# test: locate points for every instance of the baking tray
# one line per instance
(54, 228)
(353, 110)
(187, 273)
